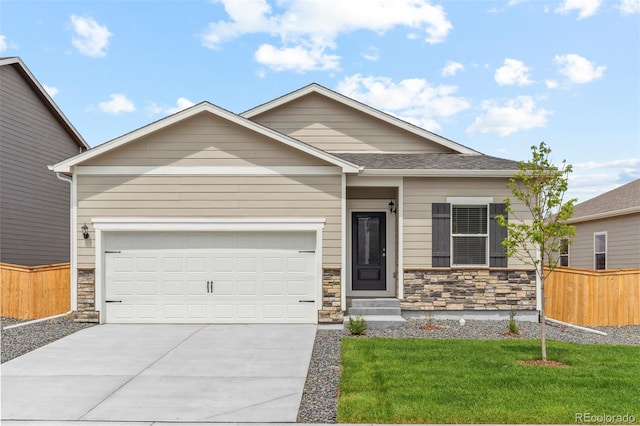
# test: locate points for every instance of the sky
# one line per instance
(496, 76)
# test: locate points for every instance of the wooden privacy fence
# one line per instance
(593, 298)
(30, 292)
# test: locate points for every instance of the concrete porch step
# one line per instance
(377, 312)
(375, 302)
(377, 322)
(374, 310)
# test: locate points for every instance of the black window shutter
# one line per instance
(441, 235)
(497, 233)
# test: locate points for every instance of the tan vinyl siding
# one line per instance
(623, 242)
(205, 140)
(421, 193)
(34, 205)
(211, 196)
(333, 127)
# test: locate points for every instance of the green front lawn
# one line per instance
(476, 381)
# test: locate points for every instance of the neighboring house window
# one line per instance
(467, 235)
(600, 250)
(564, 252)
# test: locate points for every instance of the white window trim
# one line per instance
(606, 249)
(470, 201)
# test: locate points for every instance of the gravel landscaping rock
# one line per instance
(319, 401)
(26, 338)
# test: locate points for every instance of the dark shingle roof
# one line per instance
(622, 198)
(429, 161)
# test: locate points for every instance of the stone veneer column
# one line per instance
(331, 312)
(86, 296)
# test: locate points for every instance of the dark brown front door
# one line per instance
(369, 251)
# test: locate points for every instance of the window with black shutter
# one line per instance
(466, 234)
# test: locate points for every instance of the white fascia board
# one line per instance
(207, 170)
(65, 166)
(438, 173)
(208, 224)
(605, 215)
(316, 88)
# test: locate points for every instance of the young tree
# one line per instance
(537, 238)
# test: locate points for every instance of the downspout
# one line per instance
(73, 282)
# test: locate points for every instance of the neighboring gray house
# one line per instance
(607, 230)
(286, 213)
(34, 203)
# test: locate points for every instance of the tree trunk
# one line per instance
(543, 322)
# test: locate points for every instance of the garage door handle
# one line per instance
(306, 301)
(209, 286)
(306, 251)
(113, 301)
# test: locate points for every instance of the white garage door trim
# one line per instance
(133, 224)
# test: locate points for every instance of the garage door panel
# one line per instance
(204, 285)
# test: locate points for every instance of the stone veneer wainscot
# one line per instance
(449, 289)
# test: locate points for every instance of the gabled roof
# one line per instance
(431, 164)
(321, 90)
(620, 201)
(44, 96)
(66, 165)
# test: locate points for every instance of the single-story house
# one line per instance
(285, 213)
(34, 203)
(607, 231)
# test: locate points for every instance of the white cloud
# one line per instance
(52, 91)
(451, 68)
(298, 58)
(629, 7)
(551, 84)
(578, 69)
(414, 100)
(308, 28)
(91, 38)
(181, 103)
(513, 72)
(594, 178)
(116, 104)
(3, 43)
(585, 8)
(372, 54)
(513, 116)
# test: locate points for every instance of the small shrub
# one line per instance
(357, 325)
(512, 326)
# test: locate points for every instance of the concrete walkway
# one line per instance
(161, 373)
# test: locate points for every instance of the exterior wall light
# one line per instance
(85, 231)
(392, 206)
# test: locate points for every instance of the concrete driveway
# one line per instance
(188, 373)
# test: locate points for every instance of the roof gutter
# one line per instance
(438, 172)
(604, 215)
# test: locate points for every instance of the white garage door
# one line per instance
(246, 277)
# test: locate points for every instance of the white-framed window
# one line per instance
(599, 250)
(469, 234)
